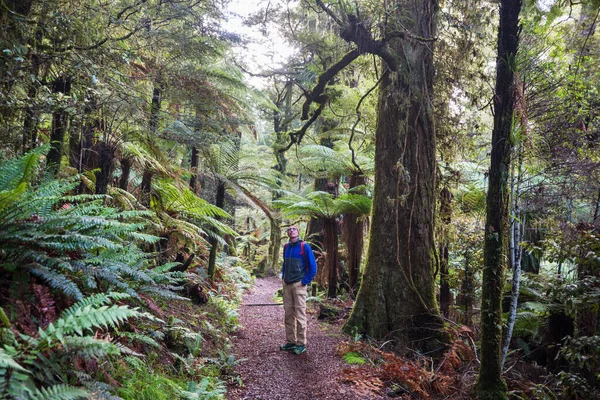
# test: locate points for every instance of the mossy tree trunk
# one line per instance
(397, 294)
(490, 384)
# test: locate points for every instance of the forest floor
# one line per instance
(268, 373)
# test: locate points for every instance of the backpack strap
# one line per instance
(303, 254)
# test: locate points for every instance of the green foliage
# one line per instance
(203, 390)
(72, 242)
(34, 367)
(323, 205)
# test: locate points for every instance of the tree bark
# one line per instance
(490, 384)
(397, 295)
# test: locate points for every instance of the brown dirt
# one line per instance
(268, 373)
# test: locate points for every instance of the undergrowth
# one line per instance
(89, 309)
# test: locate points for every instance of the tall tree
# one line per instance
(490, 384)
(397, 295)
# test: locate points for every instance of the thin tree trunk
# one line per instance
(60, 119)
(214, 244)
(106, 159)
(490, 384)
(597, 209)
(125, 172)
(446, 218)
(330, 244)
(353, 236)
(273, 267)
(516, 253)
(468, 291)
(194, 170)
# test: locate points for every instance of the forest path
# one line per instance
(271, 374)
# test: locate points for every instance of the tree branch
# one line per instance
(296, 137)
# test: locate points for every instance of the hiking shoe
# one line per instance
(299, 350)
(287, 347)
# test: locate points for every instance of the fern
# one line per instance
(203, 390)
(136, 337)
(7, 361)
(86, 317)
(69, 241)
(60, 392)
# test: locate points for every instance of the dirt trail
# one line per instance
(271, 374)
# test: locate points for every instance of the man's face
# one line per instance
(293, 233)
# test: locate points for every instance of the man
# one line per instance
(298, 270)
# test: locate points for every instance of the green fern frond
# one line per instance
(8, 361)
(85, 317)
(139, 338)
(95, 300)
(61, 392)
(20, 170)
(89, 347)
(164, 292)
(57, 281)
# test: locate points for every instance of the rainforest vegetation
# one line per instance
(441, 156)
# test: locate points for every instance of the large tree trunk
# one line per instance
(353, 236)
(490, 384)
(397, 295)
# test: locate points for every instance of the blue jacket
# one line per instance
(298, 263)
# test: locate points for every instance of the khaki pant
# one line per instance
(294, 304)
